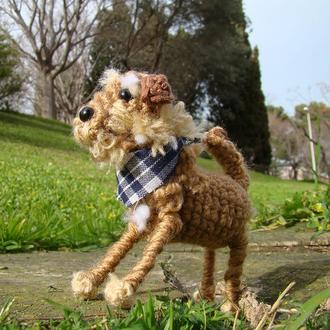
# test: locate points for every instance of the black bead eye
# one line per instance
(125, 94)
(86, 113)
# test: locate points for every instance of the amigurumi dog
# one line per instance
(133, 123)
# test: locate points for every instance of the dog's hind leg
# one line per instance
(84, 283)
(121, 292)
(234, 272)
(207, 288)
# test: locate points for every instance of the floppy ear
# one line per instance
(155, 90)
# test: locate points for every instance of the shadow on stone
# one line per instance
(303, 274)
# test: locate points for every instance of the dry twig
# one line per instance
(275, 306)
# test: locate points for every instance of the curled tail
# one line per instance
(227, 155)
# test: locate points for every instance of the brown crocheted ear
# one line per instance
(155, 90)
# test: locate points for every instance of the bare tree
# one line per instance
(144, 30)
(158, 19)
(290, 139)
(287, 139)
(52, 31)
(68, 91)
(136, 34)
(320, 120)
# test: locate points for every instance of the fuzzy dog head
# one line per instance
(131, 111)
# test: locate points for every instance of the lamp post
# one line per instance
(311, 143)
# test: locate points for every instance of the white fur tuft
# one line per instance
(139, 217)
(108, 76)
(130, 81)
(174, 142)
(140, 139)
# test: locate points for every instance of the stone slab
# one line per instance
(32, 278)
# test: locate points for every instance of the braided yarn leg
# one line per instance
(84, 283)
(207, 288)
(120, 293)
(233, 274)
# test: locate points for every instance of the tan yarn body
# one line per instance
(196, 208)
(192, 207)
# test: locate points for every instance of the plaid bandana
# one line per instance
(143, 173)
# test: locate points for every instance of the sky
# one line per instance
(293, 37)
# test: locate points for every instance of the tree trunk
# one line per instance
(48, 97)
(295, 171)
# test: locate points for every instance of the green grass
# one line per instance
(266, 189)
(155, 314)
(53, 195)
(161, 313)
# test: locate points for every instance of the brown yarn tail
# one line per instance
(227, 155)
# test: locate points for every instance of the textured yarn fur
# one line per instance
(210, 210)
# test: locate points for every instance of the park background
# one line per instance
(52, 54)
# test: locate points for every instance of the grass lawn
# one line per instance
(53, 196)
(266, 189)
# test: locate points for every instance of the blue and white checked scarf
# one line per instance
(143, 173)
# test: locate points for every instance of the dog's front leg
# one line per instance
(121, 292)
(84, 283)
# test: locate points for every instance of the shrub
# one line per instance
(311, 207)
(10, 71)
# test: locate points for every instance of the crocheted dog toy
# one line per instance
(133, 123)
